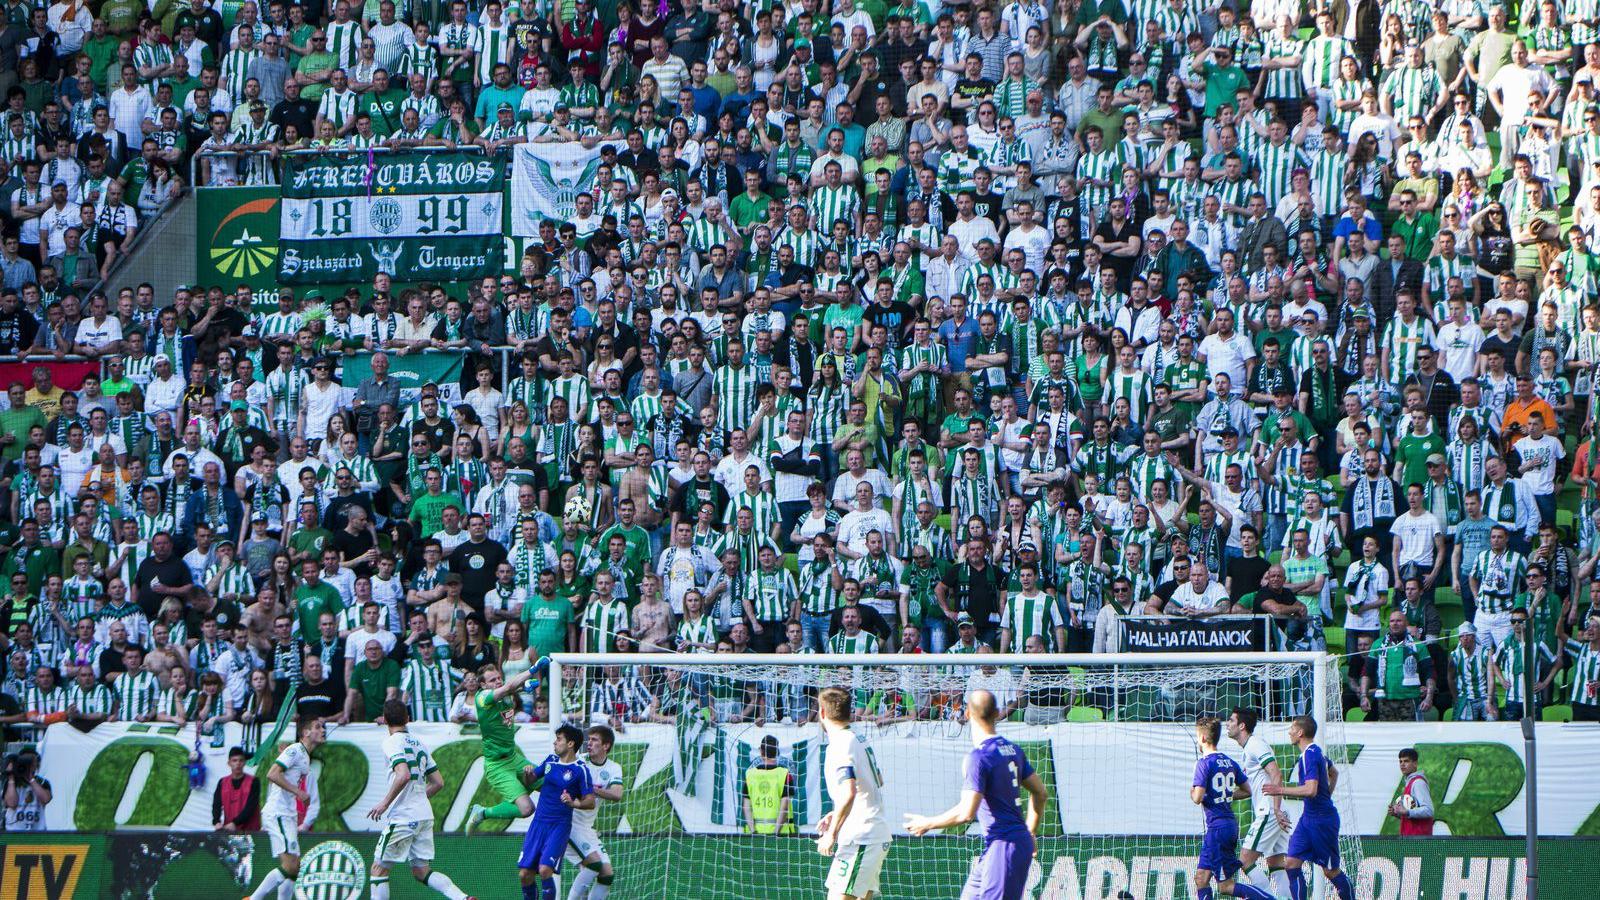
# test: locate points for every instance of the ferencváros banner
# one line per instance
(1156, 634)
(132, 775)
(140, 865)
(416, 216)
(546, 180)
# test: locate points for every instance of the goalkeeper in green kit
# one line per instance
(505, 767)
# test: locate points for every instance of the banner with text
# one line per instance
(412, 371)
(334, 866)
(417, 217)
(1159, 634)
(546, 180)
(1105, 778)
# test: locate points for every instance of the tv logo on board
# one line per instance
(41, 871)
(333, 870)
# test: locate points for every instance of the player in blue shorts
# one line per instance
(1218, 781)
(1316, 836)
(565, 787)
(995, 772)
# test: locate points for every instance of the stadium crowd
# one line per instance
(926, 327)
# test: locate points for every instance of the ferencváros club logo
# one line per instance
(386, 216)
(333, 870)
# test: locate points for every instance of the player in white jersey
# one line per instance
(593, 881)
(289, 784)
(1268, 835)
(856, 833)
(405, 812)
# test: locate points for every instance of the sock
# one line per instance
(1259, 876)
(547, 889)
(286, 889)
(1203, 893)
(581, 883)
(1297, 884)
(530, 891)
(1341, 883)
(1279, 882)
(506, 810)
(441, 882)
(1245, 891)
(601, 891)
(380, 888)
(268, 885)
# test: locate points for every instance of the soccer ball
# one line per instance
(1408, 802)
(577, 508)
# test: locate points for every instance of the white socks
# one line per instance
(442, 883)
(286, 889)
(268, 885)
(581, 883)
(380, 889)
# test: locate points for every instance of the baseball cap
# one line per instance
(1466, 628)
(249, 331)
(1435, 459)
(963, 619)
(239, 404)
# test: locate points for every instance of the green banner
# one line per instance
(414, 216)
(236, 237)
(190, 865)
(443, 367)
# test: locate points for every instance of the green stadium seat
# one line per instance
(1336, 639)
(1086, 714)
(1561, 713)
(1356, 715)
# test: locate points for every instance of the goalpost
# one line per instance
(1111, 735)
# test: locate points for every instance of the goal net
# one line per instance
(723, 763)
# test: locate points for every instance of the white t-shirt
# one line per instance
(296, 764)
(101, 334)
(848, 758)
(1257, 754)
(1214, 596)
(1539, 460)
(1416, 533)
(605, 775)
(355, 643)
(1227, 355)
(320, 405)
(412, 803)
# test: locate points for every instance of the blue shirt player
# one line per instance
(1218, 781)
(996, 773)
(566, 786)
(1316, 836)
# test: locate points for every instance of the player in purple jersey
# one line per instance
(995, 774)
(1316, 835)
(1218, 781)
(565, 786)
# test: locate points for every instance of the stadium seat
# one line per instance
(1356, 715)
(1561, 713)
(1086, 714)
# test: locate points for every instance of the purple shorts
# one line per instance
(1002, 870)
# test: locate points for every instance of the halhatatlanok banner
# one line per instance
(546, 180)
(1155, 634)
(416, 216)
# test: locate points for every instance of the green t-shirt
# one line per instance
(310, 541)
(1221, 84)
(499, 740)
(17, 422)
(315, 63)
(384, 110)
(373, 684)
(746, 212)
(547, 622)
(1412, 454)
(428, 511)
(1395, 665)
(311, 602)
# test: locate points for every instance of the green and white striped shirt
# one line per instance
(1026, 616)
(818, 596)
(862, 642)
(1414, 91)
(1471, 673)
(428, 688)
(96, 701)
(137, 693)
(1500, 578)
(1585, 672)
(830, 205)
(1320, 67)
(344, 42)
(492, 44)
(736, 395)
(771, 594)
(600, 624)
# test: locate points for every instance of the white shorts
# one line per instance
(582, 842)
(405, 842)
(1494, 629)
(284, 833)
(856, 868)
(1265, 836)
